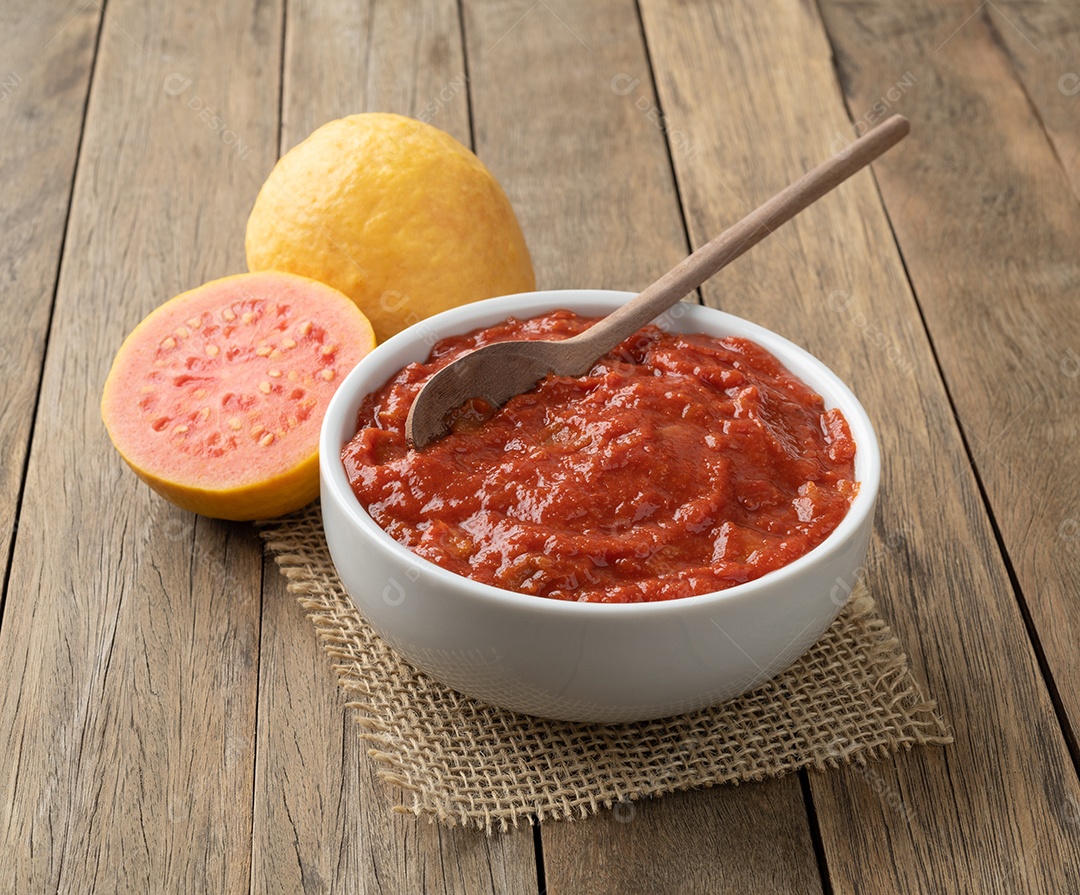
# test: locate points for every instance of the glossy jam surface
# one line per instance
(680, 465)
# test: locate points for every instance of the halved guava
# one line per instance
(215, 400)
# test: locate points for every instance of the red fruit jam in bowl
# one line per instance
(680, 465)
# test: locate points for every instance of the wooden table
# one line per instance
(168, 721)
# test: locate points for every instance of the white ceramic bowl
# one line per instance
(588, 661)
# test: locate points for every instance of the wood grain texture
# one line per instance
(1043, 43)
(157, 688)
(376, 56)
(758, 97)
(1003, 311)
(44, 79)
(564, 113)
(323, 821)
(129, 648)
(747, 838)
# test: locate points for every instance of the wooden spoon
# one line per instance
(498, 372)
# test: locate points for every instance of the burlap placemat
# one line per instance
(851, 697)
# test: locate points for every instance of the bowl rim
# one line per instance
(348, 396)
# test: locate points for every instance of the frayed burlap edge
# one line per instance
(852, 697)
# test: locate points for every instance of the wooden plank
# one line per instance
(323, 821)
(1043, 43)
(1016, 384)
(987, 813)
(129, 649)
(564, 113)
(44, 81)
(707, 841)
(375, 57)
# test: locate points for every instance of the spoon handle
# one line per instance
(694, 270)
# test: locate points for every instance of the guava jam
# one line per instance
(680, 465)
